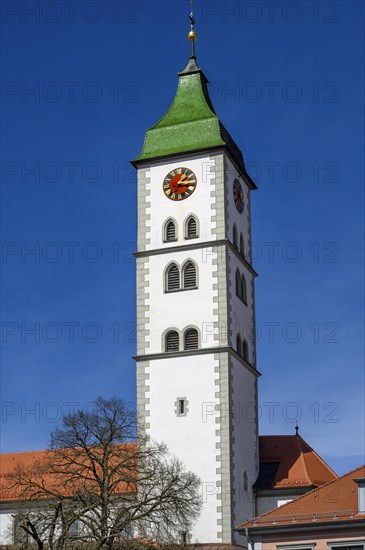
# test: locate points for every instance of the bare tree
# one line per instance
(95, 474)
(46, 510)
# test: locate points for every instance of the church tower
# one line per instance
(196, 357)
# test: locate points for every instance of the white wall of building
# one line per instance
(205, 439)
(241, 220)
(199, 203)
(193, 437)
(244, 441)
(6, 527)
(242, 315)
(184, 308)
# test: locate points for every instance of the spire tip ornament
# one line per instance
(192, 36)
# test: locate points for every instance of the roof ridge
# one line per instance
(24, 452)
(49, 450)
(270, 512)
(278, 435)
(189, 121)
(300, 439)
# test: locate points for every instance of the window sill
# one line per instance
(191, 238)
(180, 290)
(178, 350)
(170, 241)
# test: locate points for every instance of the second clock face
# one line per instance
(179, 184)
(238, 195)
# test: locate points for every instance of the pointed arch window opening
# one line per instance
(189, 276)
(238, 285)
(245, 354)
(235, 236)
(243, 290)
(191, 228)
(170, 232)
(242, 246)
(238, 345)
(172, 278)
(177, 279)
(241, 287)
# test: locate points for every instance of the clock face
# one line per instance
(179, 184)
(238, 195)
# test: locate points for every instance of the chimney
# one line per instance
(361, 494)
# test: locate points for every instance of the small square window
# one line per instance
(181, 406)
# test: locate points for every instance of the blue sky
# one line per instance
(287, 81)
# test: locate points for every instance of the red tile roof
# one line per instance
(298, 464)
(334, 501)
(8, 463)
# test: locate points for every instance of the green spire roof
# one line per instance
(190, 124)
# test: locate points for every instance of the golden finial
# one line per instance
(192, 34)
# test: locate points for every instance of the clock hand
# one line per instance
(183, 182)
(183, 185)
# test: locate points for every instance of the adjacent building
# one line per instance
(330, 517)
(289, 468)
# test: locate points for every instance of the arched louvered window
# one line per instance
(191, 339)
(172, 278)
(238, 345)
(242, 246)
(170, 233)
(243, 289)
(172, 341)
(189, 275)
(238, 285)
(191, 230)
(245, 350)
(235, 236)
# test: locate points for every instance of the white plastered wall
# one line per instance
(199, 203)
(242, 315)
(6, 526)
(244, 441)
(183, 308)
(241, 220)
(193, 437)
(197, 437)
